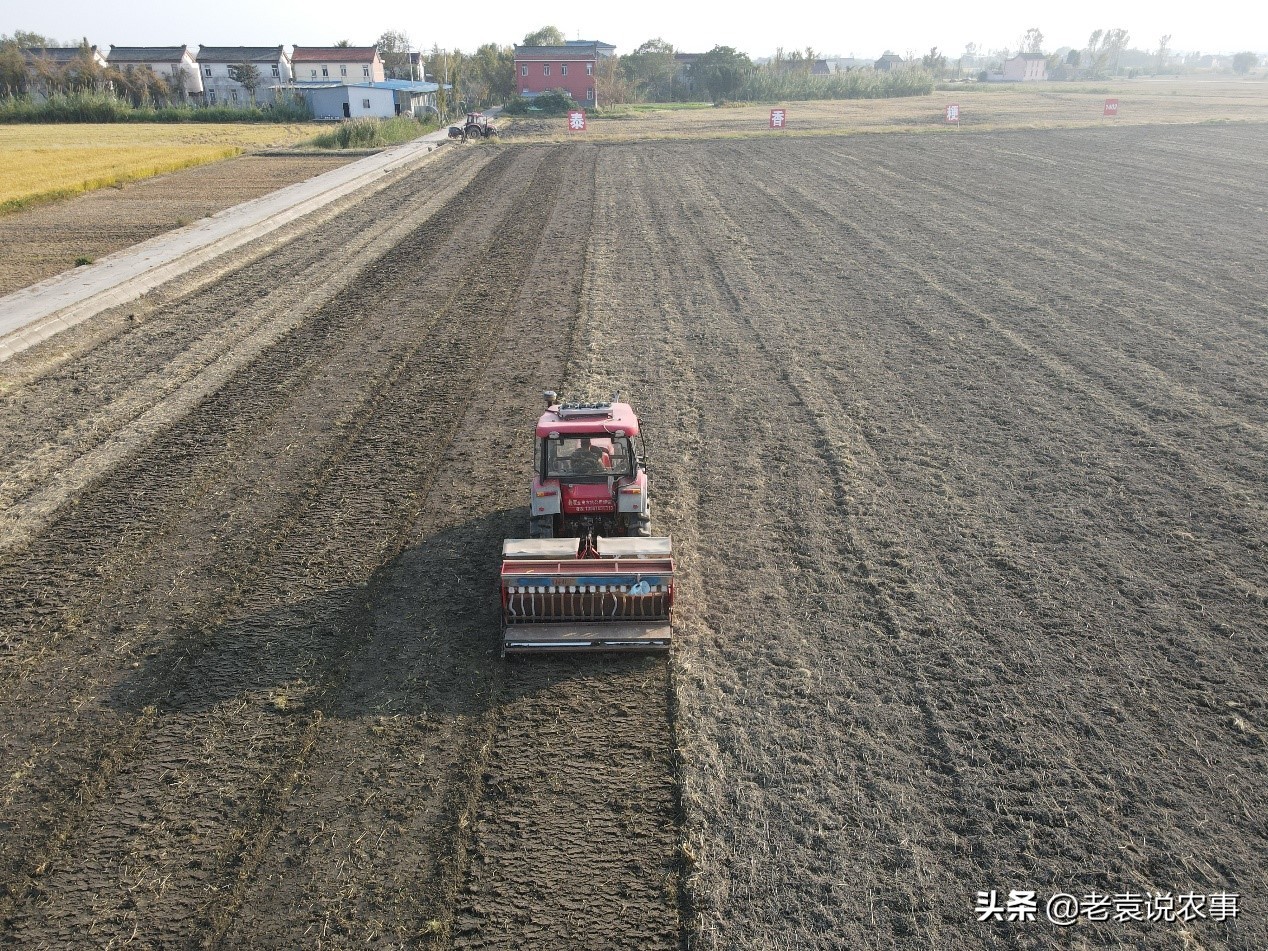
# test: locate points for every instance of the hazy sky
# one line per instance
(835, 28)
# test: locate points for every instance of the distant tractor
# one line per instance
(476, 127)
(590, 576)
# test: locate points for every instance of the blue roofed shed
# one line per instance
(390, 97)
(359, 101)
(412, 96)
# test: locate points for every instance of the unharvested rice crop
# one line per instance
(42, 162)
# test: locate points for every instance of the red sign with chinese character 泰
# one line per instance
(779, 118)
(577, 120)
(953, 113)
(1111, 107)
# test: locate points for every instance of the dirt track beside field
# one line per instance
(961, 441)
(49, 239)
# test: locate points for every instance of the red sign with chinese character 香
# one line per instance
(779, 118)
(577, 120)
(953, 113)
(1111, 107)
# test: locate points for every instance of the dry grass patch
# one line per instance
(982, 108)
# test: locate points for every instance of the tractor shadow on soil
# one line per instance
(419, 636)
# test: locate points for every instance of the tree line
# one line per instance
(1105, 55)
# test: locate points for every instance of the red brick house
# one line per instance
(571, 67)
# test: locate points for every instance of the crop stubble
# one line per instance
(969, 506)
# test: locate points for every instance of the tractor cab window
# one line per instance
(588, 456)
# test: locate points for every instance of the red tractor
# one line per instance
(477, 126)
(590, 576)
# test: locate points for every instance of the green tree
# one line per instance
(394, 49)
(650, 70)
(610, 85)
(248, 77)
(935, 62)
(30, 40)
(1115, 43)
(1244, 62)
(546, 36)
(722, 71)
(342, 44)
(48, 74)
(450, 67)
(491, 74)
(1032, 42)
(84, 73)
(1163, 51)
(970, 55)
(13, 73)
(1098, 53)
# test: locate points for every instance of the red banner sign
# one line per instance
(953, 113)
(1111, 107)
(779, 118)
(577, 120)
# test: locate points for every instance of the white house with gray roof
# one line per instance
(216, 67)
(173, 63)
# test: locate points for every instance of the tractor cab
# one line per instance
(589, 479)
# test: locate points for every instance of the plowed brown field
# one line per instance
(961, 440)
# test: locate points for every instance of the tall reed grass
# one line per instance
(766, 86)
(372, 133)
(101, 107)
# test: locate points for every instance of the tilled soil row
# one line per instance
(574, 842)
(974, 610)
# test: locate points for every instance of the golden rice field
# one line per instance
(42, 162)
(982, 108)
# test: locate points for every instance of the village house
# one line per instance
(339, 64)
(1026, 68)
(888, 62)
(684, 82)
(217, 68)
(63, 68)
(174, 63)
(570, 67)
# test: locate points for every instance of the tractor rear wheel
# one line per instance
(639, 526)
(473, 131)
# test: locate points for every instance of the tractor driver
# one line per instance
(589, 459)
